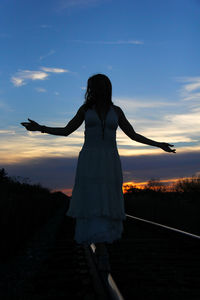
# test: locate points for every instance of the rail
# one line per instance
(103, 282)
(109, 282)
(164, 226)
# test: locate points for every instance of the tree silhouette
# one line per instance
(3, 175)
(188, 185)
(155, 185)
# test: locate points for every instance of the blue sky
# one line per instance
(150, 51)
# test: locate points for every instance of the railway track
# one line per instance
(63, 269)
(156, 262)
(149, 262)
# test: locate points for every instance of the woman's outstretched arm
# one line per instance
(63, 131)
(130, 132)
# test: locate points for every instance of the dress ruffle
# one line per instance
(97, 230)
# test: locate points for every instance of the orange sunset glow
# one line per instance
(168, 183)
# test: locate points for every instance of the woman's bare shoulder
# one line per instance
(82, 108)
(81, 112)
(118, 110)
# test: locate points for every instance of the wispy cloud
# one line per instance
(187, 123)
(119, 42)
(23, 76)
(190, 90)
(193, 85)
(54, 70)
(40, 90)
(168, 126)
(2, 131)
(138, 103)
(51, 52)
(28, 146)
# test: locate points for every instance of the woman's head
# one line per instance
(99, 91)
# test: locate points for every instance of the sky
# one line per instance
(148, 49)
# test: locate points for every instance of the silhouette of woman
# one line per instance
(97, 199)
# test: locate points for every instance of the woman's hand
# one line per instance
(166, 147)
(31, 125)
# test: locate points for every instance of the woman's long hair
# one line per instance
(99, 92)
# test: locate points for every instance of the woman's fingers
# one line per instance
(173, 150)
(170, 145)
(31, 120)
(31, 125)
(166, 147)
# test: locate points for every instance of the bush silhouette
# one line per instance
(188, 185)
(24, 208)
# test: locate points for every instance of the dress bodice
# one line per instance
(94, 136)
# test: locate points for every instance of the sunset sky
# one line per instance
(150, 51)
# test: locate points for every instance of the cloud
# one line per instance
(51, 52)
(188, 122)
(41, 90)
(52, 172)
(166, 125)
(163, 166)
(191, 89)
(138, 103)
(7, 131)
(23, 76)
(35, 145)
(192, 96)
(17, 81)
(54, 70)
(180, 129)
(119, 42)
(193, 85)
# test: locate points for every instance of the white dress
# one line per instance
(97, 200)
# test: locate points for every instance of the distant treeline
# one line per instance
(24, 208)
(179, 208)
(191, 185)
